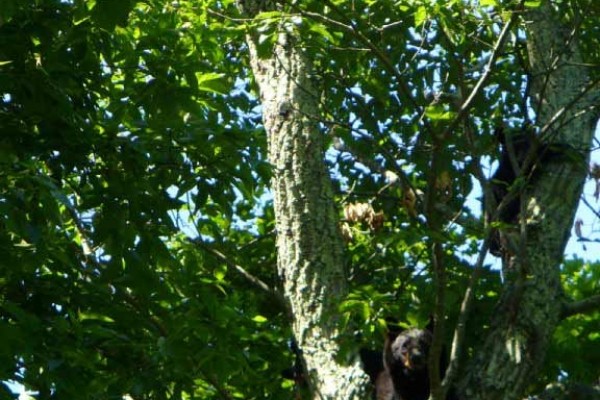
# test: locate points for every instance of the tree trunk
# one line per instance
(309, 246)
(529, 309)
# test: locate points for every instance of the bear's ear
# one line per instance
(393, 327)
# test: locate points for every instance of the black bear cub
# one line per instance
(405, 357)
(401, 373)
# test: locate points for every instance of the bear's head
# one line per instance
(408, 349)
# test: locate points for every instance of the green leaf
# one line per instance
(109, 14)
(439, 113)
(533, 3)
(259, 319)
(83, 316)
(212, 82)
(421, 15)
(322, 31)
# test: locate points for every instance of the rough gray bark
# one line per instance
(309, 246)
(530, 306)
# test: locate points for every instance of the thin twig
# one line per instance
(567, 107)
(466, 106)
(591, 207)
(248, 276)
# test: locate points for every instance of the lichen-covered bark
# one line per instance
(530, 306)
(309, 246)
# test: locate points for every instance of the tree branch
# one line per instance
(580, 307)
(248, 276)
(211, 380)
(461, 326)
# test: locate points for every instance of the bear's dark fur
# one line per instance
(522, 156)
(399, 372)
(403, 375)
(405, 357)
(383, 388)
(515, 148)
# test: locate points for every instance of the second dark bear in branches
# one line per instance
(521, 155)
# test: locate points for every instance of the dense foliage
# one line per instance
(136, 227)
